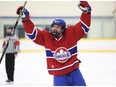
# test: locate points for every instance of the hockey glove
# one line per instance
(25, 15)
(84, 6)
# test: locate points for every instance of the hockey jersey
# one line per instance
(61, 54)
(14, 44)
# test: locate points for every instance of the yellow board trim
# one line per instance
(97, 51)
(32, 51)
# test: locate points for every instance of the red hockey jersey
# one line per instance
(61, 54)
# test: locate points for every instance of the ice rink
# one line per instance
(98, 69)
(98, 65)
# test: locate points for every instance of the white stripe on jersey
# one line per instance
(64, 67)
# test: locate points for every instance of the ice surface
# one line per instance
(98, 69)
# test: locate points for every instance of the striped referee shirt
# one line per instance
(13, 46)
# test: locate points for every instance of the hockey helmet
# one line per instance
(59, 22)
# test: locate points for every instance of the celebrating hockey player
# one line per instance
(61, 45)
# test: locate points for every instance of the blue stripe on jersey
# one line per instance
(49, 53)
(85, 28)
(73, 50)
(33, 35)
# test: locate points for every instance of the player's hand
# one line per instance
(84, 6)
(25, 13)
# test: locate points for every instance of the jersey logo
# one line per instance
(62, 54)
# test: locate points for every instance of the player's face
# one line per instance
(56, 28)
(9, 31)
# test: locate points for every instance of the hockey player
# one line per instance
(11, 53)
(61, 45)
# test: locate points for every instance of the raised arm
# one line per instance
(32, 32)
(86, 15)
(83, 26)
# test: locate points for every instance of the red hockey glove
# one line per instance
(84, 6)
(25, 12)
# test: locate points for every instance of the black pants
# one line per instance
(10, 63)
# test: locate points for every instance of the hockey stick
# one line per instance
(14, 28)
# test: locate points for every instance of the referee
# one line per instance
(11, 53)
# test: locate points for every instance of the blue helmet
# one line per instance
(59, 22)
